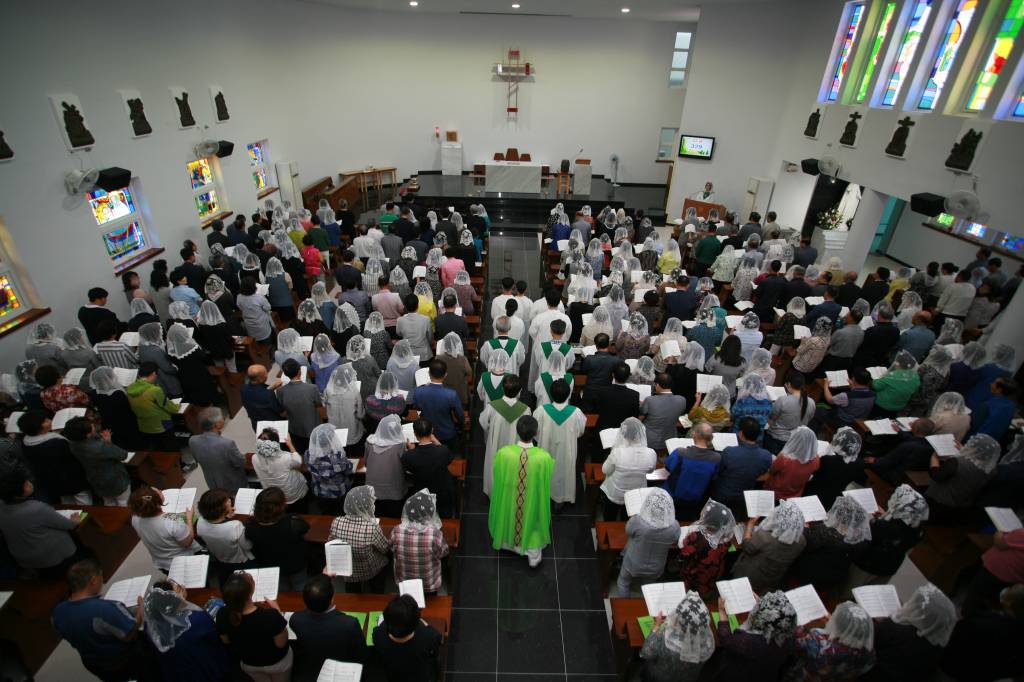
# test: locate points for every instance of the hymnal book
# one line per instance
(588, 350)
(658, 475)
(643, 389)
(663, 598)
(807, 603)
(824, 447)
(587, 318)
(877, 372)
(128, 591)
(305, 344)
(800, 331)
(12, 422)
(673, 444)
(562, 244)
(262, 289)
(608, 437)
(1003, 518)
(74, 375)
(779, 312)
(705, 382)
(338, 671)
(413, 588)
(125, 376)
(68, 513)
(866, 323)
(689, 324)
(266, 582)
(423, 376)
(880, 601)
(814, 300)
(245, 499)
(178, 500)
(733, 321)
(776, 392)
(880, 427)
(865, 497)
(419, 271)
(130, 339)
(743, 305)
(721, 441)
(670, 349)
(339, 557)
(288, 619)
(944, 445)
(342, 435)
(190, 571)
(811, 507)
(634, 499)
(906, 422)
(62, 417)
(843, 312)
(738, 595)
(759, 502)
(280, 426)
(838, 378)
(410, 435)
(181, 406)
(631, 363)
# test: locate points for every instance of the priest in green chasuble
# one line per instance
(498, 420)
(559, 427)
(520, 515)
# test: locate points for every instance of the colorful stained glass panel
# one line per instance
(1018, 109)
(976, 230)
(10, 303)
(259, 176)
(876, 47)
(845, 49)
(956, 31)
(945, 219)
(124, 240)
(1009, 29)
(111, 206)
(255, 151)
(199, 173)
(908, 46)
(1011, 242)
(207, 203)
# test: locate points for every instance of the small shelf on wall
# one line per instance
(26, 318)
(139, 258)
(1005, 253)
(217, 216)
(266, 192)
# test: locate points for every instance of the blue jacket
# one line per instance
(982, 388)
(993, 416)
(437, 403)
(690, 473)
(740, 467)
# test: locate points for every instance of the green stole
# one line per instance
(547, 347)
(493, 392)
(548, 380)
(509, 412)
(559, 416)
(509, 348)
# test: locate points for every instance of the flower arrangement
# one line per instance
(830, 219)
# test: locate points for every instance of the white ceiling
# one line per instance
(640, 10)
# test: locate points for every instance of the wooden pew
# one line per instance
(108, 532)
(347, 189)
(312, 192)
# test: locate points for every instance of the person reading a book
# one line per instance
(679, 644)
(649, 537)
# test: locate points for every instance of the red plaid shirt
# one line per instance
(369, 546)
(418, 555)
(58, 397)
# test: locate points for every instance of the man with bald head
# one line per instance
(258, 399)
(691, 471)
(919, 339)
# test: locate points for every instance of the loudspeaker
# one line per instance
(224, 148)
(810, 166)
(927, 204)
(114, 178)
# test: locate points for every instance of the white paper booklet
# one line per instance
(684, 531)
(880, 601)
(608, 437)
(733, 321)
(776, 392)
(838, 378)
(337, 671)
(128, 591)
(245, 499)
(183, 406)
(738, 595)
(62, 417)
(705, 382)
(339, 557)
(124, 376)
(634, 499)
(587, 318)
(866, 323)
(74, 375)
(814, 300)
(130, 339)
(824, 447)
(800, 332)
(189, 571)
(632, 363)
(423, 376)
(670, 349)
(658, 475)
(807, 604)
(413, 588)
(743, 305)
(303, 374)
(410, 435)
(262, 289)
(877, 372)
(673, 444)
(1003, 518)
(759, 502)
(689, 324)
(643, 389)
(865, 497)
(588, 350)
(721, 441)
(342, 435)
(906, 422)
(419, 271)
(880, 427)
(811, 507)
(305, 344)
(68, 513)
(663, 598)
(178, 500)
(266, 582)
(280, 426)
(288, 619)
(944, 445)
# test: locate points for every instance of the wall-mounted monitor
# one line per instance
(696, 147)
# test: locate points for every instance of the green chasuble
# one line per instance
(559, 415)
(547, 379)
(508, 345)
(548, 346)
(521, 519)
(493, 392)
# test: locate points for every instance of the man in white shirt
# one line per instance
(363, 245)
(956, 299)
(508, 286)
(540, 326)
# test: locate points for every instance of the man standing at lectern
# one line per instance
(707, 195)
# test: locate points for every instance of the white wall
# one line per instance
(918, 245)
(332, 89)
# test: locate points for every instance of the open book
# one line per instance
(189, 571)
(608, 437)
(838, 378)
(743, 305)
(673, 444)
(305, 344)
(413, 588)
(124, 376)
(670, 349)
(338, 671)
(634, 499)
(663, 598)
(643, 389)
(178, 500)
(423, 376)
(245, 499)
(800, 331)
(880, 601)
(74, 375)
(759, 502)
(776, 392)
(877, 372)
(880, 427)
(62, 417)
(721, 441)
(705, 382)
(339, 557)
(944, 445)
(807, 604)
(130, 339)
(738, 595)
(865, 497)
(128, 591)
(410, 435)
(280, 426)
(811, 507)
(1003, 518)
(266, 582)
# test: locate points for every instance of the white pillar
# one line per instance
(1006, 328)
(854, 252)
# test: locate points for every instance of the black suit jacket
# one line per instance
(878, 342)
(875, 292)
(768, 295)
(405, 229)
(613, 404)
(450, 322)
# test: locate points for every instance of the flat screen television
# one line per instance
(696, 147)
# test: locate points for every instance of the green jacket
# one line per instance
(319, 237)
(707, 250)
(895, 389)
(150, 405)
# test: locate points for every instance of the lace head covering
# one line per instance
(939, 359)
(930, 612)
(374, 323)
(324, 441)
(785, 522)
(717, 397)
(861, 306)
(751, 321)
(631, 434)
(104, 381)
(75, 339)
(288, 341)
(178, 310)
(760, 360)
(801, 446)
(214, 287)
(360, 501)
(644, 371)
(139, 306)
(25, 374)
(308, 311)
(982, 450)
(671, 251)
(687, 630)
(435, 258)
(1004, 357)
(458, 223)
(582, 286)
(423, 290)
(462, 279)
(952, 331)
(903, 360)
(387, 386)
(152, 333)
(343, 379)
(952, 403)
(716, 523)
(451, 345)
(907, 505)
(850, 520)
(268, 448)
(497, 361)
(693, 357)
(209, 315)
(883, 307)
(345, 318)
(773, 617)
(274, 268)
(466, 238)
(637, 326)
(409, 252)
(166, 617)
(594, 249)
(357, 348)
(402, 354)
(822, 327)
(706, 316)
(846, 443)
(420, 511)
(388, 433)
(179, 342)
(851, 625)
(974, 355)
(318, 293)
(621, 234)
(602, 321)
(673, 330)
(323, 351)
(752, 385)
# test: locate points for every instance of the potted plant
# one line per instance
(834, 228)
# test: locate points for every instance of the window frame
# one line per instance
(215, 185)
(935, 48)
(897, 45)
(672, 145)
(843, 52)
(681, 70)
(267, 166)
(30, 308)
(993, 21)
(136, 216)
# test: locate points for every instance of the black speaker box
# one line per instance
(114, 178)
(224, 148)
(810, 166)
(927, 204)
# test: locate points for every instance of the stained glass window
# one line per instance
(908, 46)
(1011, 242)
(121, 241)
(876, 47)
(111, 206)
(199, 173)
(853, 19)
(255, 151)
(207, 203)
(945, 219)
(259, 176)
(956, 30)
(1018, 108)
(976, 230)
(10, 302)
(1007, 33)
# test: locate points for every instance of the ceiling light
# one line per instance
(413, 3)
(515, 6)
(625, 10)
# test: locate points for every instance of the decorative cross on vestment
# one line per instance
(517, 539)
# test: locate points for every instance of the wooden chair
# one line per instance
(479, 173)
(498, 156)
(511, 154)
(525, 157)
